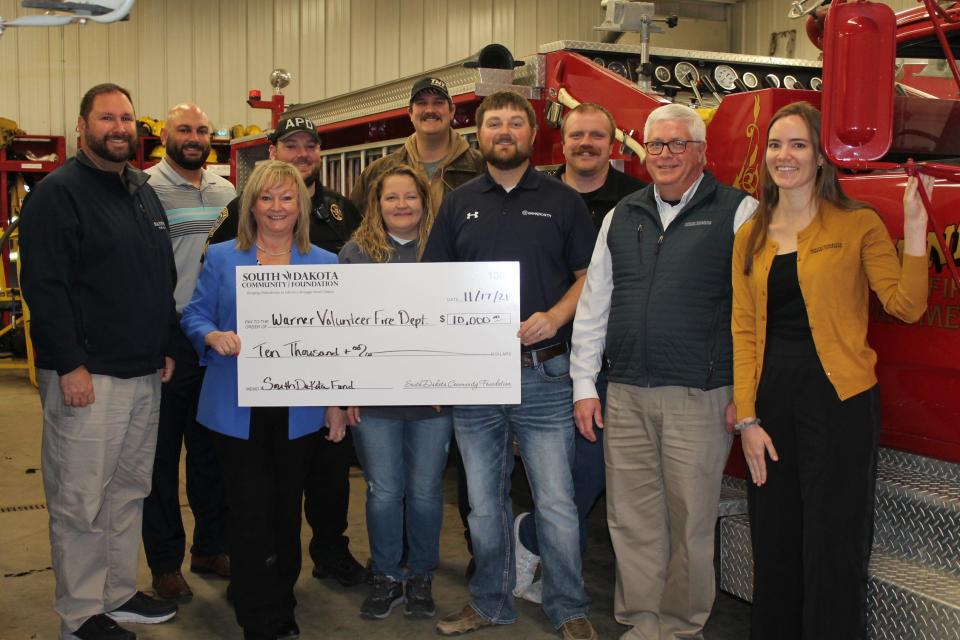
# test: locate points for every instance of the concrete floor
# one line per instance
(326, 609)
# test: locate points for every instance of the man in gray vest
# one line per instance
(657, 299)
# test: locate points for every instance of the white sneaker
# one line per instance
(534, 593)
(526, 561)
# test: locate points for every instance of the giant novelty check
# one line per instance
(379, 334)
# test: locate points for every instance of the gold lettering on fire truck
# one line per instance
(943, 308)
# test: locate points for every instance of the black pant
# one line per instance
(812, 522)
(264, 480)
(327, 497)
(163, 534)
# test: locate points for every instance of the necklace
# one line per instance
(268, 253)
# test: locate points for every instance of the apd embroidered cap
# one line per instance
(434, 85)
(289, 126)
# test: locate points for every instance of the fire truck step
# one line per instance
(733, 497)
(914, 590)
(918, 510)
(907, 600)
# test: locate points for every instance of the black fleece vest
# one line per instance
(670, 309)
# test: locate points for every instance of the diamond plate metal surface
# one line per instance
(914, 587)
(736, 557)
(396, 94)
(918, 510)
(733, 497)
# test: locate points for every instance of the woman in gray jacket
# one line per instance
(403, 450)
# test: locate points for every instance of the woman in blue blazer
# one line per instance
(263, 451)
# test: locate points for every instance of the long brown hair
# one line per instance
(827, 187)
(371, 235)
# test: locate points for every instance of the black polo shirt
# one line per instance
(616, 187)
(541, 223)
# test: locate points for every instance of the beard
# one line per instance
(505, 162)
(98, 146)
(176, 153)
(313, 178)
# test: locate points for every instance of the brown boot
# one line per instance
(172, 586)
(218, 564)
(463, 621)
(578, 629)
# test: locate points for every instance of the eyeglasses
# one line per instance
(675, 146)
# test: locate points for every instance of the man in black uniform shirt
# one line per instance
(332, 221)
(588, 139)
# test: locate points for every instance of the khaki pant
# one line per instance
(97, 463)
(665, 450)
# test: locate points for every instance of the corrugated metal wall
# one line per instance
(213, 51)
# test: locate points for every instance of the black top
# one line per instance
(97, 271)
(616, 187)
(786, 313)
(333, 219)
(542, 223)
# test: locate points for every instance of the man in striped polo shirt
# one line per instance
(193, 198)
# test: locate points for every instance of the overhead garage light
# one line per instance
(77, 11)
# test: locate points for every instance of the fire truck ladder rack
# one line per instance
(914, 586)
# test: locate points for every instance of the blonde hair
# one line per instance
(266, 175)
(371, 235)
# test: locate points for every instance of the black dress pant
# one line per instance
(327, 497)
(264, 481)
(163, 535)
(812, 522)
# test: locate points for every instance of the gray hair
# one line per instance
(698, 130)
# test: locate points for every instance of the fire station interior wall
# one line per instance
(753, 22)
(213, 51)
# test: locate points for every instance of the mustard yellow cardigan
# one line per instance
(840, 256)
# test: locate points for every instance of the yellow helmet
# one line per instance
(158, 153)
(236, 131)
(253, 130)
(212, 157)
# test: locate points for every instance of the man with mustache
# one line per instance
(444, 156)
(193, 198)
(588, 138)
(98, 273)
(333, 220)
(658, 299)
(514, 213)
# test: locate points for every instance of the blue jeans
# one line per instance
(403, 463)
(589, 479)
(543, 424)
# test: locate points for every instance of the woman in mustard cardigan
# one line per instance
(804, 381)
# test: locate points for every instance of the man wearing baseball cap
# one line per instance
(333, 219)
(435, 148)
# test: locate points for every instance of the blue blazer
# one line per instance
(214, 308)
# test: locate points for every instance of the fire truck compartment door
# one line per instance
(858, 82)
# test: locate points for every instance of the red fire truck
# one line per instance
(882, 121)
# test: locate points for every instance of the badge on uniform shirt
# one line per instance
(336, 212)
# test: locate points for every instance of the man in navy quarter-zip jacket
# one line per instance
(657, 300)
(98, 273)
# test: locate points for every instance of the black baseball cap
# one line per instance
(289, 126)
(434, 85)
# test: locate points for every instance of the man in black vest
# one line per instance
(657, 299)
